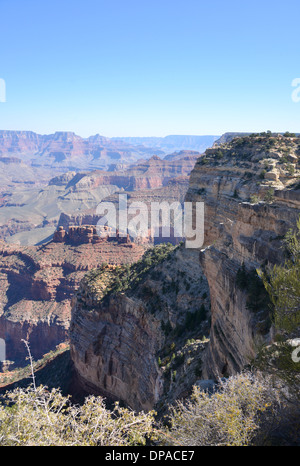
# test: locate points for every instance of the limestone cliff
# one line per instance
(249, 188)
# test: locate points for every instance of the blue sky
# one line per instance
(149, 68)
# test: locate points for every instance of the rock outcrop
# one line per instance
(88, 234)
(125, 322)
(247, 213)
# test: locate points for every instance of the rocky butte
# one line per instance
(145, 334)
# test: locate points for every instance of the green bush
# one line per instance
(290, 168)
(287, 134)
(262, 174)
(254, 199)
(269, 196)
(282, 282)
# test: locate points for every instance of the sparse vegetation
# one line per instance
(110, 279)
(287, 134)
(290, 168)
(269, 196)
(39, 417)
(282, 283)
(232, 415)
(254, 199)
(262, 174)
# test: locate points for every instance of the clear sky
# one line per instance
(149, 68)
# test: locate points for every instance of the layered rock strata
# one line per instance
(36, 288)
(247, 213)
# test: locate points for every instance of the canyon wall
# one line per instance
(250, 190)
(66, 149)
(250, 203)
(118, 338)
(36, 288)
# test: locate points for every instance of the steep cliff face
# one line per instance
(146, 174)
(248, 187)
(115, 354)
(124, 322)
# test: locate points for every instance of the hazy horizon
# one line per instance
(149, 69)
(115, 136)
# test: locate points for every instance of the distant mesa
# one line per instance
(183, 154)
(85, 234)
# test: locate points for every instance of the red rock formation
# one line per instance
(59, 236)
(36, 287)
(85, 234)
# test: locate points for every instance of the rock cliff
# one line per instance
(121, 335)
(249, 187)
(129, 327)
